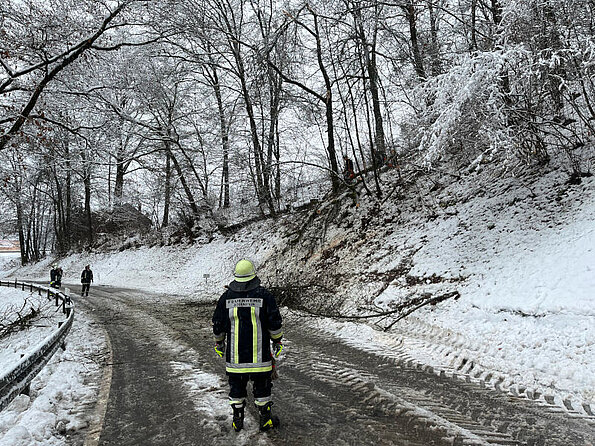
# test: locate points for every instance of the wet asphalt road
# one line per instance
(328, 392)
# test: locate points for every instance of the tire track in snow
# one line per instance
(486, 412)
(331, 392)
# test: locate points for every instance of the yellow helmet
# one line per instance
(244, 271)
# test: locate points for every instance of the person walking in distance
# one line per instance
(247, 316)
(53, 273)
(86, 279)
(56, 276)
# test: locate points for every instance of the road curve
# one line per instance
(168, 388)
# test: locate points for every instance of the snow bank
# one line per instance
(549, 269)
(54, 413)
(19, 343)
(527, 309)
(176, 270)
(8, 262)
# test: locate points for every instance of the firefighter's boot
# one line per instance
(238, 416)
(267, 421)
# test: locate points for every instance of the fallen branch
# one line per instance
(22, 321)
(432, 301)
(401, 307)
(424, 299)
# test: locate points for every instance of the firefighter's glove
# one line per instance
(220, 348)
(277, 349)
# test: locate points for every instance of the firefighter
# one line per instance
(56, 276)
(86, 279)
(248, 317)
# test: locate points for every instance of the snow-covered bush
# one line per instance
(529, 98)
(514, 104)
(461, 112)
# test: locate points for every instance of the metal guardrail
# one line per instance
(17, 380)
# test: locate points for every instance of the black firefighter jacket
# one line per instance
(248, 316)
(87, 276)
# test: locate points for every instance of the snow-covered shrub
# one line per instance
(461, 112)
(122, 218)
(516, 104)
(529, 99)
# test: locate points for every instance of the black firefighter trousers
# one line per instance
(86, 286)
(261, 386)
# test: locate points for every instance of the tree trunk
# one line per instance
(68, 219)
(167, 197)
(187, 190)
(277, 162)
(434, 45)
(496, 9)
(369, 53)
(119, 181)
(120, 171)
(328, 102)
(418, 63)
(263, 193)
(60, 217)
(473, 45)
(87, 183)
(272, 136)
(224, 130)
(24, 257)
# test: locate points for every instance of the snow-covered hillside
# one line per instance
(520, 251)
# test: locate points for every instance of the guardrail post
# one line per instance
(56, 296)
(15, 283)
(23, 286)
(31, 287)
(49, 295)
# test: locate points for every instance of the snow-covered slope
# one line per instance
(520, 251)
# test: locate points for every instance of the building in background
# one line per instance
(9, 246)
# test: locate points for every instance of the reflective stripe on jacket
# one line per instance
(248, 316)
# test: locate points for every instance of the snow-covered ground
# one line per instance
(527, 310)
(175, 270)
(522, 258)
(64, 391)
(15, 303)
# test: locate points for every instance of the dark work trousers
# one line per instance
(86, 287)
(261, 386)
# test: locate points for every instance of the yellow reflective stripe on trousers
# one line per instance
(236, 341)
(250, 369)
(254, 336)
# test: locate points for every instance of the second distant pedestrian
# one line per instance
(86, 279)
(56, 276)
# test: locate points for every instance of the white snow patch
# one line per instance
(19, 343)
(60, 394)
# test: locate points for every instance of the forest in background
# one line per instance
(184, 115)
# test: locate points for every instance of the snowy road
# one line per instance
(168, 388)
